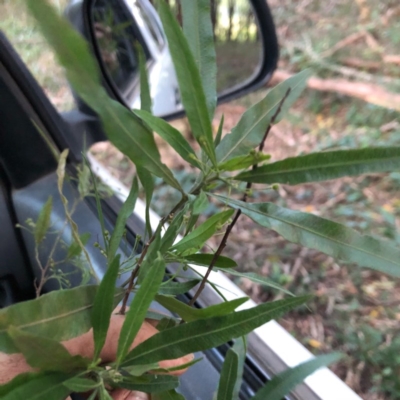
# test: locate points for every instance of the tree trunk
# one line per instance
(231, 12)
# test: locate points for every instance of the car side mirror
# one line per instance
(245, 41)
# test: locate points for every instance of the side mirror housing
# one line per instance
(245, 40)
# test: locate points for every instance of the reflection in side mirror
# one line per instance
(117, 25)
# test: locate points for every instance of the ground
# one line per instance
(354, 310)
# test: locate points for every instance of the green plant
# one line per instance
(225, 163)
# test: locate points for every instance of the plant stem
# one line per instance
(135, 272)
(238, 211)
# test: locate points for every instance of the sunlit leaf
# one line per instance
(175, 288)
(205, 260)
(282, 384)
(329, 237)
(138, 308)
(188, 313)
(124, 130)
(229, 375)
(198, 31)
(190, 84)
(43, 221)
(251, 128)
(124, 213)
(59, 315)
(171, 135)
(326, 165)
(44, 353)
(197, 238)
(207, 333)
(104, 306)
(262, 280)
(243, 162)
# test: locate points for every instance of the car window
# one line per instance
(151, 22)
(31, 46)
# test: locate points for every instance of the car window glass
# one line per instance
(31, 46)
(114, 36)
(151, 22)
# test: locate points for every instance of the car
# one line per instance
(29, 122)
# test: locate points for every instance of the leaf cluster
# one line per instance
(224, 162)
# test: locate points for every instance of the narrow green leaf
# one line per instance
(138, 370)
(103, 306)
(59, 315)
(123, 129)
(62, 162)
(178, 367)
(189, 314)
(198, 30)
(205, 260)
(243, 162)
(43, 221)
(168, 395)
(207, 333)
(172, 231)
(282, 384)
(197, 238)
(175, 288)
(147, 182)
(123, 215)
(228, 376)
(149, 383)
(251, 128)
(152, 254)
(329, 237)
(326, 165)
(145, 96)
(190, 85)
(262, 280)
(200, 204)
(240, 349)
(166, 323)
(171, 135)
(74, 249)
(104, 395)
(218, 138)
(44, 353)
(80, 385)
(138, 308)
(36, 386)
(98, 204)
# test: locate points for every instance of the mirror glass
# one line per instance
(119, 25)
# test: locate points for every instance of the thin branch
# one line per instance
(134, 274)
(224, 240)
